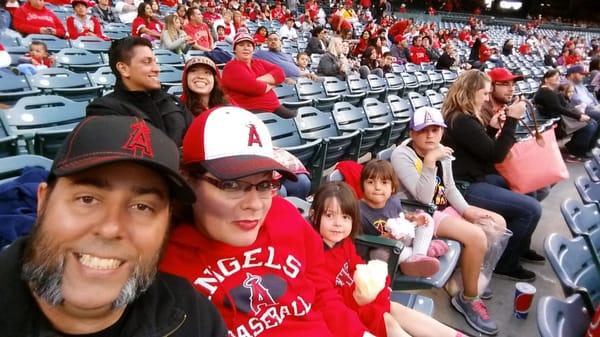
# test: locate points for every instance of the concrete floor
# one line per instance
(501, 306)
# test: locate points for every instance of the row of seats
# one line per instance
(575, 261)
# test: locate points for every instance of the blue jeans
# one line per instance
(521, 213)
(584, 139)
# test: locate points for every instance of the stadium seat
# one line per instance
(379, 113)
(583, 220)
(435, 98)
(169, 76)
(46, 143)
(410, 82)
(558, 318)
(92, 44)
(444, 91)
(411, 67)
(308, 89)
(104, 76)
(395, 84)
(398, 68)
(11, 167)
(54, 44)
(400, 108)
(449, 77)
(286, 93)
(314, 61)
(334, 86)
(437, 81)
(593, 170)
(424, 82)
(79, 60)
(417, 100)
(377, 84)
(575, 267)
(349, 118)
(9, 40)
(385, 154)
(164, 56)
(8, 140)
(285, 135)
(16, 53)
(176, 90)
(315, 124)
(63, 82)
(13, 87)
(359, 85)
(588, 190)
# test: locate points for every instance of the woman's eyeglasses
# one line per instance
(237, 188)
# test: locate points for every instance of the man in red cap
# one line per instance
(503, 83)
(400, 50)
(210, 16)
(34, 18)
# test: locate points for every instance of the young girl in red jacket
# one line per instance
(335, 215)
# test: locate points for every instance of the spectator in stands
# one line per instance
(198, 31)
(104, 12)
(89, 266)
(369, 63)
(302, 61)
(127, 10)
(418, 54)
(334, 62)
(260, 36)
(398, 29)
(37, 58)
(425, 175)
(226, 22)
(210, 16)
(173, 38)
(400, 50)
(363, 43)
(250, 81)
(553, 100)
(311, 9)
(82, 24)
(34, 18)
(507, 48)
(181, 9)
(4, 60)
(448, 59)
(348, 12)
(201, 86)
(476, 153)
(237, 218)
(238, 21)
(138, 92)
(550, 58)
(288, 31)
(145, 24)
(339, 24)
(575, 75)
(525, 48)
(317, 42)
(5, 17)
(432, 53)
(595, 79)
(283, 60)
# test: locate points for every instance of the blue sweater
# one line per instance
(283, 60)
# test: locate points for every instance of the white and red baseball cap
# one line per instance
(231, 143)
(426, 116)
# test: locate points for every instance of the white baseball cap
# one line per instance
(231, 143)
(426, 116)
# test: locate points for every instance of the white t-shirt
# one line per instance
(127, 17)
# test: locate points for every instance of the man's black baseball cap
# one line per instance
(100, 140)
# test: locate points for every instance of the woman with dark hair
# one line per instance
(145, 25)
(362, 44)
(474, 55)
(201, 86)
(369, 63)
(316, 43)
(507, 48)
(260, 36)
(553, 100)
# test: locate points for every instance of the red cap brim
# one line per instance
(235, 167)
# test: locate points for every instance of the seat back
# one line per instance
(435, 98)
(314, 124)
(558, 318)
(334, 86)
(357, 84)
(580, 218)
(169, 75)
(575, 267)
(376, 83)
(93, 44)
(31, 114)
(593, 170)
(13, 87)
(308, 89)
(588, 190)
(449, 76)
(176, 90)
(377, 112)
(78, 60)
(437, 81)
(411, 67)
(423, 80)
(53, 43)
(11, 167)
(348, 117)
(63, 82)
(47, 142)
(104, 77)
(165, 56)
(417, 100)
(394, 83)
(400, 108)
(410, 81)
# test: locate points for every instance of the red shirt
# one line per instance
(259, 39)
(209, 17)
(277, 13)
(484, 53)
(464, 35)
(340, 263)
(29, 20)
(418, 55)
(277, 285)
(338, 19)
(93, 27)
(170, 3)
(571, 59)
(524, 49)
(200, 33)
(140, 22)
(239, 82)
(398, 28)
(312, 9)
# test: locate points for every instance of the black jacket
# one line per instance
(170, 307)
(162, 110)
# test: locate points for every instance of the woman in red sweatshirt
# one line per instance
(250, 81)
(249, 251)
(34, 18)
(418, 54)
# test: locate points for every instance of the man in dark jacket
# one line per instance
(89, 266)
(137, 90)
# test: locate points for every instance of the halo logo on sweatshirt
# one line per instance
(259, 295)
(343, 277)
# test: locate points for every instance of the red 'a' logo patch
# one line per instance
(259, 295)
(139, 142)
(253, 137)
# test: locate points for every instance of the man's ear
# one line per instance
(123, 69)
(42, 194)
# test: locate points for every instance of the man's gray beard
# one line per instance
(43, 271)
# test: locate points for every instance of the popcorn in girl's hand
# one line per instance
(401, 229)
(369, 280)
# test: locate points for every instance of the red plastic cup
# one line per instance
(523, 298)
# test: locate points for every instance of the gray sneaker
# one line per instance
(476, 314)
(487, 294)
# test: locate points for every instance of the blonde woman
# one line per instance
(173, 37)
(334, 61)
(476, 152)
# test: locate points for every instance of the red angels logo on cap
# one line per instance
(253, 137)
(139, 140)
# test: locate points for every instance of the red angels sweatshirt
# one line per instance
(341, 261)
(278, 286)
(29, 20)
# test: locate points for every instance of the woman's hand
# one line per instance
(516, 110)
(584, 118)
(437, 154)
(498, 120)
